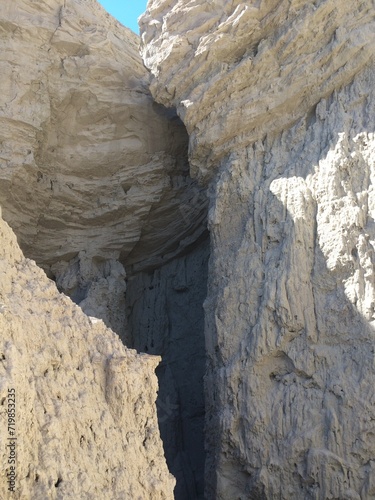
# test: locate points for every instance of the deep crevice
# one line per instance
(165, 317)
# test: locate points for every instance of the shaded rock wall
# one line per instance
(91, 167)
(279, 107)
(98, 286)
(94, 181)
(165, 314)
(86, 422)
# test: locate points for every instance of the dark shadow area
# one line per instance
(166, 318)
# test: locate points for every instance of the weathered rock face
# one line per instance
(278, 101)
(279, 106)
(292, 310)
(90, 165)
(86, 421)
(237, 71)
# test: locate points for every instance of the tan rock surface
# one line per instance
(89, 162)
(94, 180)
(86, 422)
(93, 173)
(278, 99)
(237, 71)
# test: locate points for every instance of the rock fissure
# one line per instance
(285, 139)
(165, 317)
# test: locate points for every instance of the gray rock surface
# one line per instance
(166, 317)
(279, 106)
(98, 286)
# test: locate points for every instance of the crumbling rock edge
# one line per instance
(86, 418)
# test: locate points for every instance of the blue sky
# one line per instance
(126, 11)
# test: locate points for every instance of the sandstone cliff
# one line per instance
(278, 103)
(278, 100)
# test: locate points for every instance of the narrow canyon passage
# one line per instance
(112, 146)
(165, 317)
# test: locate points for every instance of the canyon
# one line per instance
(188, 310)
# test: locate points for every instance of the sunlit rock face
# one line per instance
(278, 101)
(86, 421)
(237, 71)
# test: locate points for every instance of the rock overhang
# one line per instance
(275, 60)
(89, 160)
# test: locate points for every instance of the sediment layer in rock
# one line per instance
(94, 174)
(89, 162)
(237, 71)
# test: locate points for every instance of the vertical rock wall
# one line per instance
(165, 317)
(278, 100)
(290, 314)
